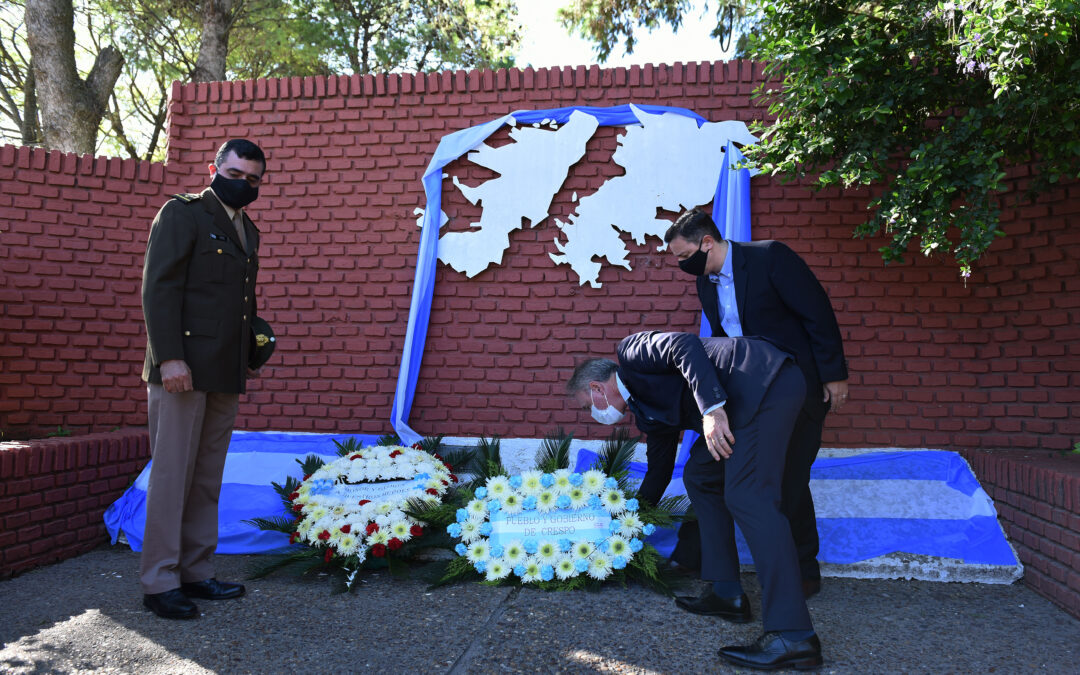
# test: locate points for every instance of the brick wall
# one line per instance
(991, 364)
(1037, 495)
(53, 494)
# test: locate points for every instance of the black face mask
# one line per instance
(695, 264)
(235, 192)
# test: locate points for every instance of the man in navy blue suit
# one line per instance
(765, 289)
(743, 396)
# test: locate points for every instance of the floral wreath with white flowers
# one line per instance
(339, 530)
(525, 528)
(537, 559)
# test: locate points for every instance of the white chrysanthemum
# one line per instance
(530, 482)
(400, 529)
(512, 503)
(545, 501)
(383, 521)
(579, 497)
(564, 568)
(305, 526)
(593, 481)
(547, 552)
(348, 544)
(470, 531)
(514, 552)
(384, 508)
(614, 501)
(318, 513)
(582, 549)
(498, 486)
(477, 509)
(562, 481)
(532, 571)
(478, 550)
(600, 566)
(497, 569)
(378, 537)
(618, 546)
(631, 524)
(433, 484)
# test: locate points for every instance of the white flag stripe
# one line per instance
(915, 499)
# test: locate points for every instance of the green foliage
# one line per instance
(554, 453)
(608, 22)
(485, 462)
(59, 433)
(931, 100)
(388, 439)
(615, 457)
(1076, 448)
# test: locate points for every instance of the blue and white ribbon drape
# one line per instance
(451, 147)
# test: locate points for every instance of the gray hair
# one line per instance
(592, 370)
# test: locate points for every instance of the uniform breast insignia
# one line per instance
(188, 197)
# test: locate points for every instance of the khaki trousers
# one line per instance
(189, 438)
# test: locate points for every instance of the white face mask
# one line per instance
(608, 415)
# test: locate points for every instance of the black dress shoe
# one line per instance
(212, 589)
(811, 587)
(170, 605)
(772, 652)
(735, 610)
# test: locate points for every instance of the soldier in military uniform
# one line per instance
(198, 297)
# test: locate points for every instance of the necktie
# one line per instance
(238, 223)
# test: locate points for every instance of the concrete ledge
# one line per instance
(1037, 495)
(54, 492)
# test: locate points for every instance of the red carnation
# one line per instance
(394, 544)
(432, 491)
(345, 529)
(444, 482)
(297, 507)
(357, 456)
(293, 537)
(453, 478)
(294, 496)
(378, 550)
(416, 446)
(448, 467)
(416, 530)
(307, 476)
(363, 501)
(395, 454)
(329, 554)
(372, 528)
(324, 535)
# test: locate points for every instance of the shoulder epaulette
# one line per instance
(188, 197)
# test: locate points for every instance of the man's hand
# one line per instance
(175, 376)
(836, 394)
(717, 434)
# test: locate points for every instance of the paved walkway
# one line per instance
(85, 616)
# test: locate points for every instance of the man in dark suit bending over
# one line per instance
(763, 288)
(743, 395)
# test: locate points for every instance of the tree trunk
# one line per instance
(31, 129)
(71, 108)
(217, 16)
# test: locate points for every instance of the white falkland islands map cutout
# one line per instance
(669, 163)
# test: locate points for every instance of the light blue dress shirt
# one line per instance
(725, 298)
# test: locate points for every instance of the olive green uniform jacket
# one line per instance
(198, 293)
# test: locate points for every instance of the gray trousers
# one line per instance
(189, 438)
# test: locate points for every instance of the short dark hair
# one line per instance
(592, 370)
(242, 148)
(692, 226)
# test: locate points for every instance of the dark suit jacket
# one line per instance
(779, 298)
(674, 377)
(198, 293)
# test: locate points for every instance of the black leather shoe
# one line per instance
(170, 605)
(735, 610)
(811, 587)
(212, 589)
(772, 652)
